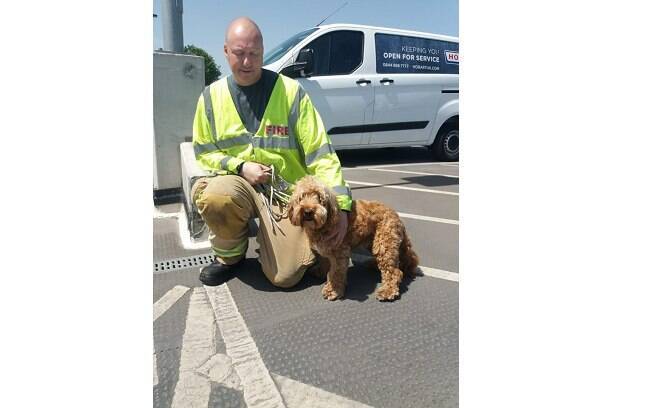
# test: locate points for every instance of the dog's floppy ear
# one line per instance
(293, 211)
(331, 202)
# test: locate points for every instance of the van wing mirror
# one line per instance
(306, 57)
(303, 66)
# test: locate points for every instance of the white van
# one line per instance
(378, 87)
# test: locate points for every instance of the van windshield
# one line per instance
(280, 50)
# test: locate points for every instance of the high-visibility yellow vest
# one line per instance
(291, 137)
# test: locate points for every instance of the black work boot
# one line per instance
(319, 269)
(217, 273)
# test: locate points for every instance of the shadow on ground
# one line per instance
(432, 181)
(388, 155)
(362, 282)
(425, 181)
(395, 155)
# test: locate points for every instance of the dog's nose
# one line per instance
(308, 214)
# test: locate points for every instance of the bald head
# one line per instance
(243, 49)
(243, 27)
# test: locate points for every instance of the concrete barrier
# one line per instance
(178, 82)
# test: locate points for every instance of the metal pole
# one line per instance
(172, 25)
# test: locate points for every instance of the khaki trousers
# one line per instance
(226, 204)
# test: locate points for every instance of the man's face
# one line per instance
(244, 52)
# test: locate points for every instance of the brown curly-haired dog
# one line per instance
(372, 225)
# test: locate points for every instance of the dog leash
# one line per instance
(275, 191)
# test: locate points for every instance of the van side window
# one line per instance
(337, 53)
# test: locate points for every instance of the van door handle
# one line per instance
(386, 81)
(362, 81)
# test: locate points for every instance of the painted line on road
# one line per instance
(362, 259)
(170, 298)
(258, 386)
(426, 218)
(299, 395)
(155, 369)
(421, 173)
(200, 364)
(424, 190)
(398, 165)
(192, 388)
(439, 273)
(158, 214)
(184, 234)
(161, 306)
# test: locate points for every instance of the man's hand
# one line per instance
(255, 173)
(337, 236)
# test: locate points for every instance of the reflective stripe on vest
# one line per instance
(342, 190)
(243, 139)
(203, 148)
(225, 161)
(293, 118)
(260, 142)
(208, 108)
(271, 142)
(325, 149)
(257, 141)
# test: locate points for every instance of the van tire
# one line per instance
(447, 144)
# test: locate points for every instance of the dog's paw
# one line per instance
(386, 292)
(330, 293)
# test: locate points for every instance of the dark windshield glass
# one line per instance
(277, 52)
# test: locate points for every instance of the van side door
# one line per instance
(410, 74)
(342, 96)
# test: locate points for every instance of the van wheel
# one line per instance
(447, 144)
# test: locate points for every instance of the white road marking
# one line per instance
(193, 388)
(426, 218)
(155, 369)
(200, 364)
(158, 214)
(161, 306)
(161, 215)
(439, 273)
(299, 395)
(424, 190)
(258, 386)
(219, 369)
(184, 234)
(415, 172)
(166, 301)
(398, 165)
(362, 259)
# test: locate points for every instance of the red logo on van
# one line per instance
(452, 57)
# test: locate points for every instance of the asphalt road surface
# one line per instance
(249, 344)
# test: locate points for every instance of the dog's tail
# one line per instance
(408, 259)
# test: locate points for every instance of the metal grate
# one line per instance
(185, 262)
